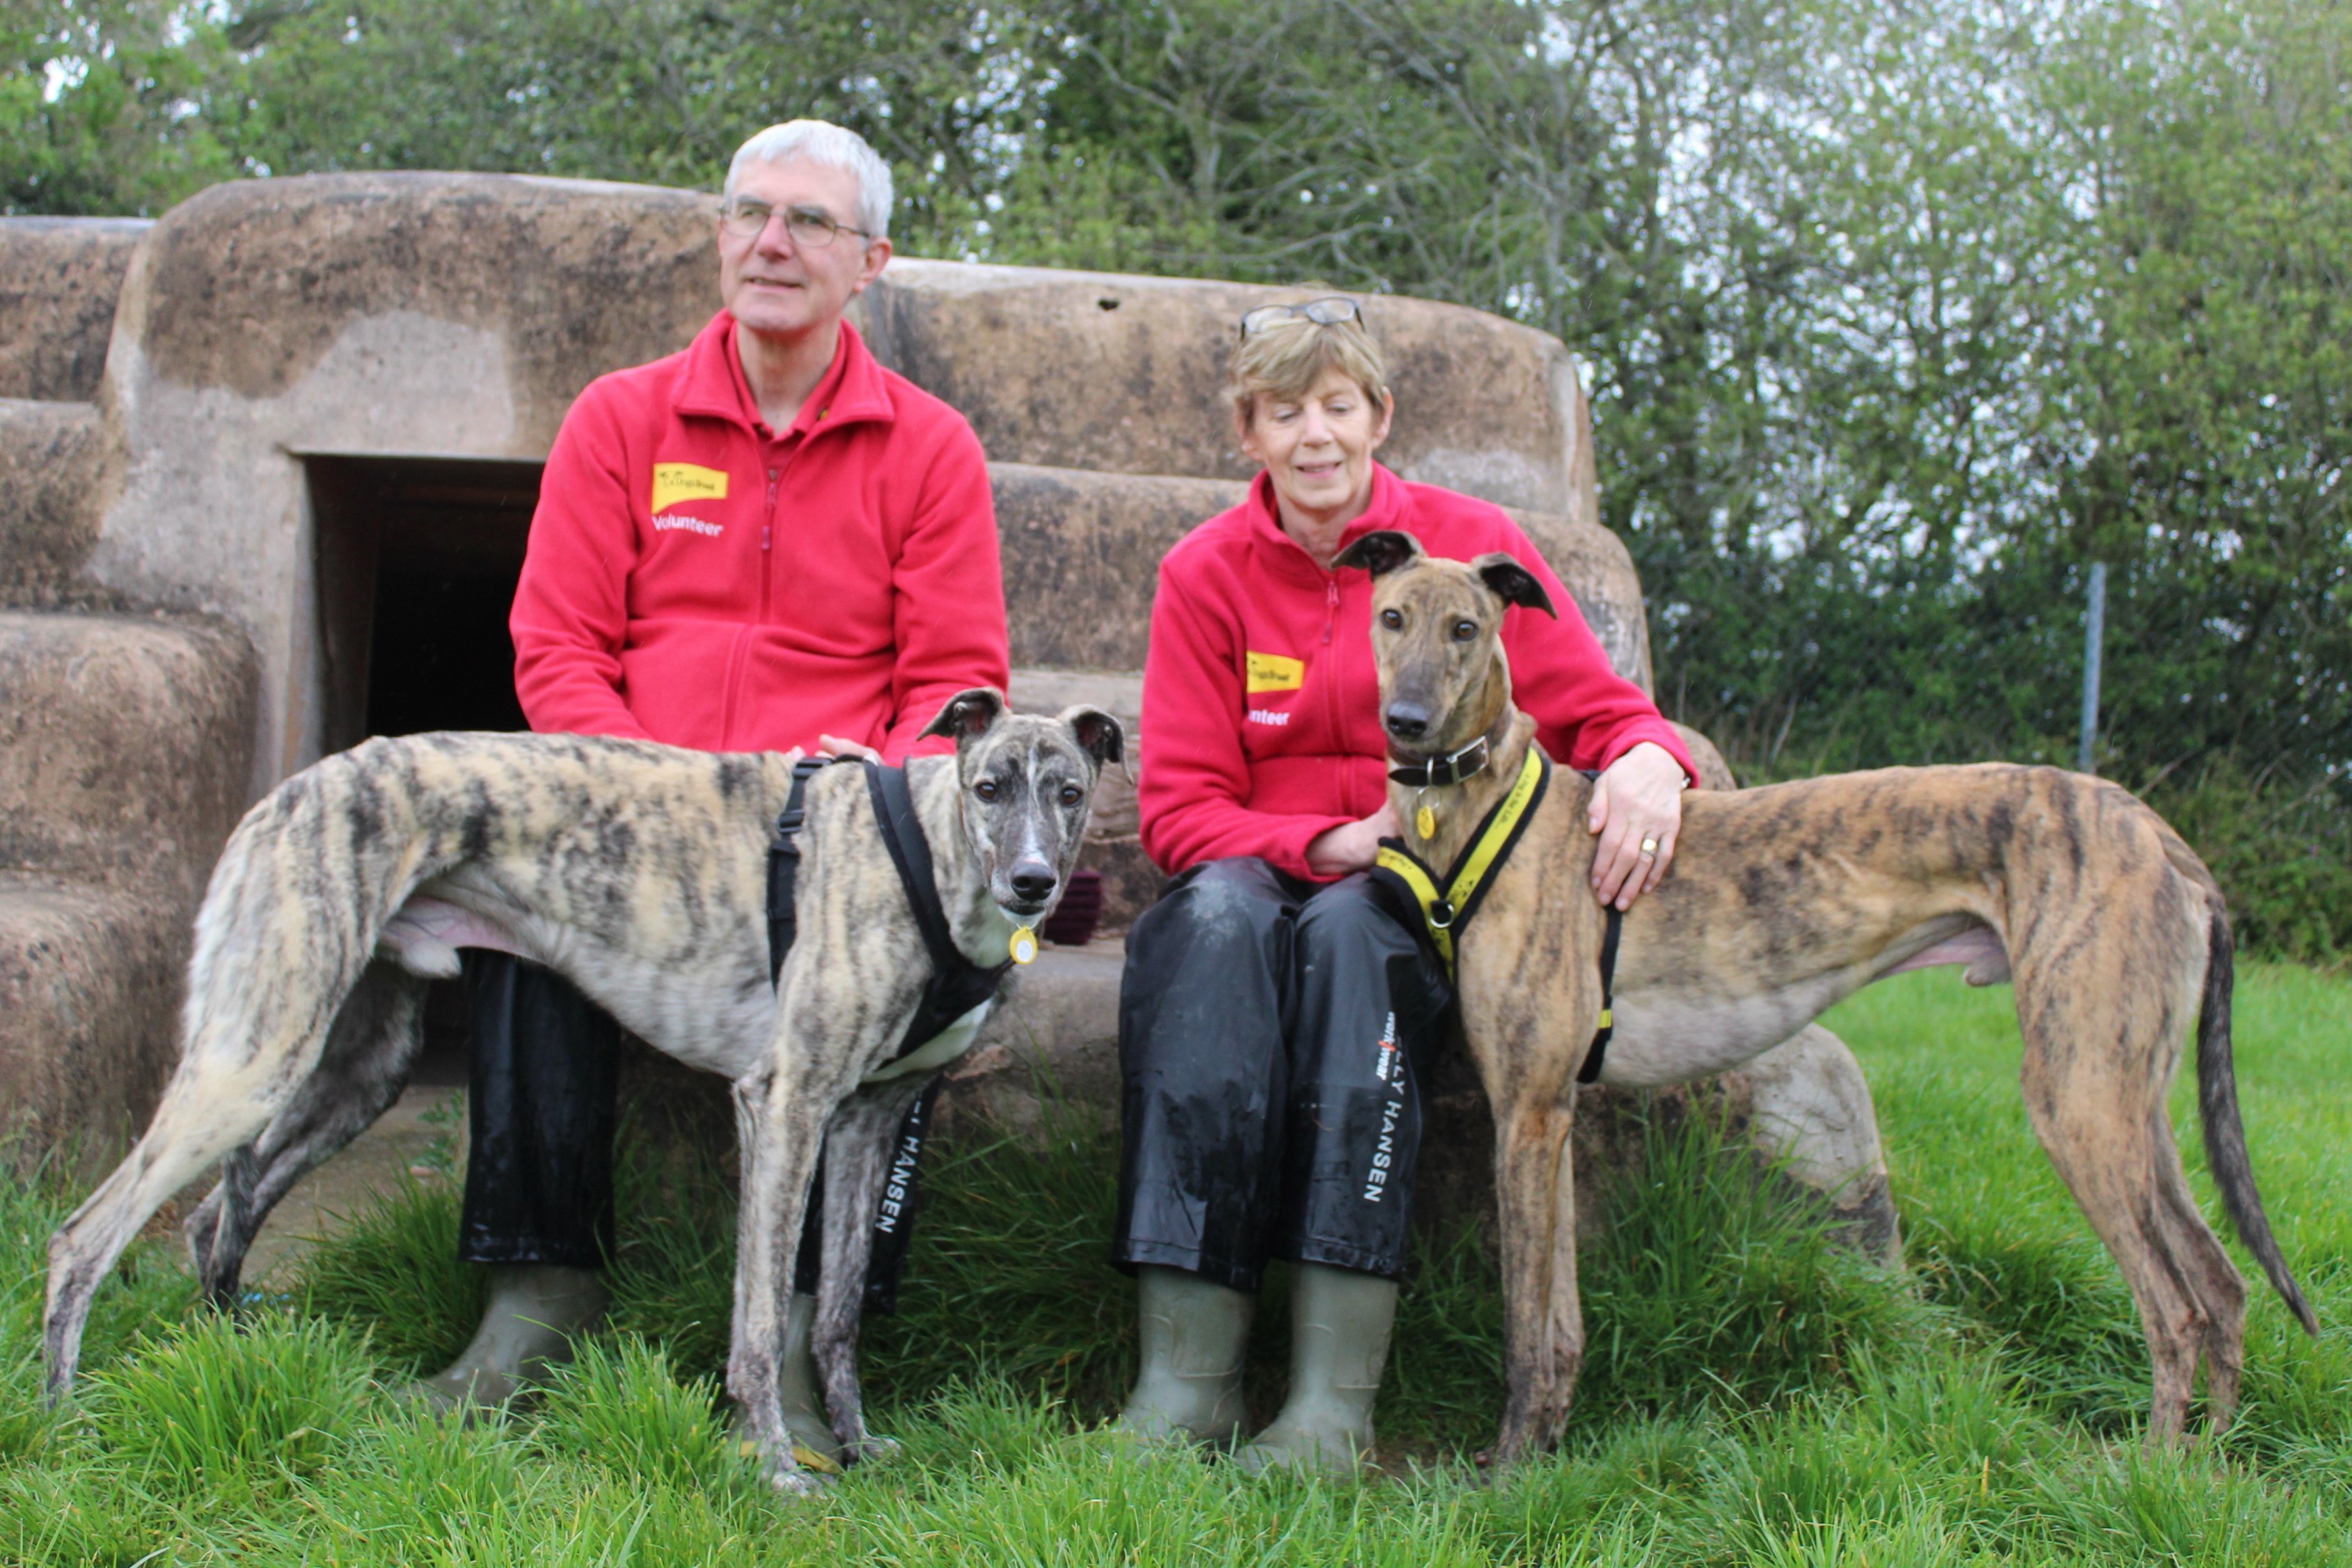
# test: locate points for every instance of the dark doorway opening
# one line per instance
(417, 559)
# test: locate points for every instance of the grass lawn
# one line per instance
(1752, 1396)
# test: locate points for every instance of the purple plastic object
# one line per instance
(1072, 923)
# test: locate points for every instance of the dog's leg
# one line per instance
(206, 1112)
(370, 1051)
(859, 1142)
(782, 1123)
(2096, 1099)
(1535, 1183)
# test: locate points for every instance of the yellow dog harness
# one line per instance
(1446, 907)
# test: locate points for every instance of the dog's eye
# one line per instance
(1072, 794)
(985, 790)
(1391, 619)
(1465, 630)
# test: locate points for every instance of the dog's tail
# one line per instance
(2225, 1134)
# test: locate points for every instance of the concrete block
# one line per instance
(58, 281)
(89, 987)
(50, 500)
(122, 746)
(1120, 374)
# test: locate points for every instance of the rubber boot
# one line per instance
(533, 1310)
(797, 1385)
(1340, 1324)
(1192, 1334)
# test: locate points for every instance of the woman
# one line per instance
(1276, 1014)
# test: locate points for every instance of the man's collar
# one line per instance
(851, 390)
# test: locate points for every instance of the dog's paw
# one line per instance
(790, 1480)
(873, 1450)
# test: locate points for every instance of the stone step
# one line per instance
(1120, 374)
(124, 746)
(49, 495)
(1082, 550)
(58, 281)
(89, 986)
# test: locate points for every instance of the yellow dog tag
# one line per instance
(1024, 945)
(1425, 823)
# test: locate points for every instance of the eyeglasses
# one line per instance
(812, 228)
(1328, 311)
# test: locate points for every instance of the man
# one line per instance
(766, 542)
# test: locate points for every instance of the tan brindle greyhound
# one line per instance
(1782, 901)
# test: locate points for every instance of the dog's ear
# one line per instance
(968, 714)
(1382, 551)
(1511, 583)
(1104, 737)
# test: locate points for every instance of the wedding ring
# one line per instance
(1649, 849)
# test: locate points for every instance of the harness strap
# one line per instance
(956, 985)
(902, 835)
(784, 865)
(1593, 1059)
(1446, 908)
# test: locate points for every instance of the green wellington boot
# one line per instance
(1339, 1324)
(797, 1386)
(1192, 1334)
(527, 1321)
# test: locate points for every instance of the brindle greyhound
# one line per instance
(638, 871)
(1780, 902)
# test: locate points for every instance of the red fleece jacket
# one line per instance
(1261, 705)
(695, 577)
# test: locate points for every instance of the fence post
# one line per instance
(2094, 628)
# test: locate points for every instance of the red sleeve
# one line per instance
(571, 606)
(948, 597)
(1189, 794)
(1587, 714)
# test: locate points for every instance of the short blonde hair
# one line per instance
(1287, 356)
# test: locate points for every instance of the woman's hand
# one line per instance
(1351, 846)
(1637, 809)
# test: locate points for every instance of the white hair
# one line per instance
(835, 147)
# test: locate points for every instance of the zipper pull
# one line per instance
(1330, 607)
(768, 523)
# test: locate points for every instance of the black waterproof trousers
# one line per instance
(542, 1104)
(1273, 1035)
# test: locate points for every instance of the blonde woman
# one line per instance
(1276, 1015)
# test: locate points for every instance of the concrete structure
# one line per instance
(288, 513)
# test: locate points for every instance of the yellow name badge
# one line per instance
(676, 482)
(1273, 673)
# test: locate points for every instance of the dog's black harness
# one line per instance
(1446, 907)
(956, 984)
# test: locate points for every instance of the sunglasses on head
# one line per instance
(1328, 311)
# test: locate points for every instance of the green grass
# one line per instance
(1753, 1396)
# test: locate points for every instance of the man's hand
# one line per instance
(834, 746)
(1351, 846)
(1637, 809)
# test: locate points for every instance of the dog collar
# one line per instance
(1455, 766)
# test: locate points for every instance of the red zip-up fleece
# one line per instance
(696, 578)
(1261, 704)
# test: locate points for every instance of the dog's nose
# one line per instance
(1032, 881)
(1407, 721)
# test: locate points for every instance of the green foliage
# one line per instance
(393, 1266)
(619, 1404)
(215, 1399)
(1986, 1417)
